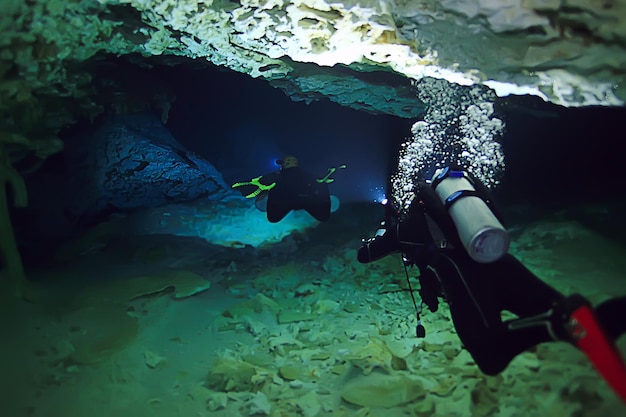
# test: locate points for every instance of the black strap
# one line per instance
(454, 197)
(450, 171)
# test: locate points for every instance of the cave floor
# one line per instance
(163, 325)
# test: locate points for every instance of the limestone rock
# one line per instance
(132, 162)
(381, 390)
(231, 374)
(153, 360)
(180, 283)
(100, 331)
(309, 404)
(363, 54)
(259, 405)
(291, 316)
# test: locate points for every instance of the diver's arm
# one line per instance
(379, 246)
(410, 236)
(612, 314)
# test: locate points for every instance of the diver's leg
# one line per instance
(316, 201)
(612, 314)
(320, 211)
(474, 313)
(507, 285)
(475, 297)
(573, 320)
(276, 213)
(276, 208)
(542, 310)
(519, 290)
(545, 315)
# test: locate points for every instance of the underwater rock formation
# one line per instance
(370, 55)
(131, 162)
(120, 164)
(568, 52)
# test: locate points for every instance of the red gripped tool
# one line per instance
(589, 337)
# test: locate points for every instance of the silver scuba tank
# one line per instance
(482, 234)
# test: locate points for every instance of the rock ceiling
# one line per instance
(365, 54)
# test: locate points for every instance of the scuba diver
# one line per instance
(453, 233)
(291, 188)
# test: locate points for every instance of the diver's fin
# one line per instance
(257, 183)
(591, 339)
(334, 203)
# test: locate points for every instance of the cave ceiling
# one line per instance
(365, 54)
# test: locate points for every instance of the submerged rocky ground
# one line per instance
(163, 325)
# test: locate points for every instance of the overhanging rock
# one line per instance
(131, 162)
(569, 52)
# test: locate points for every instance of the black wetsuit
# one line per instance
(297, 189)
(477, 293)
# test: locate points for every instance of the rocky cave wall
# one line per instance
(371, 55)
(569, 52)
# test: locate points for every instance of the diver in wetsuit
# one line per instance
(477, 292)
(291, 188)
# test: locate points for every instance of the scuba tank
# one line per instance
(480, 232)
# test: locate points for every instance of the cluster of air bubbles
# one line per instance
(458, 128)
